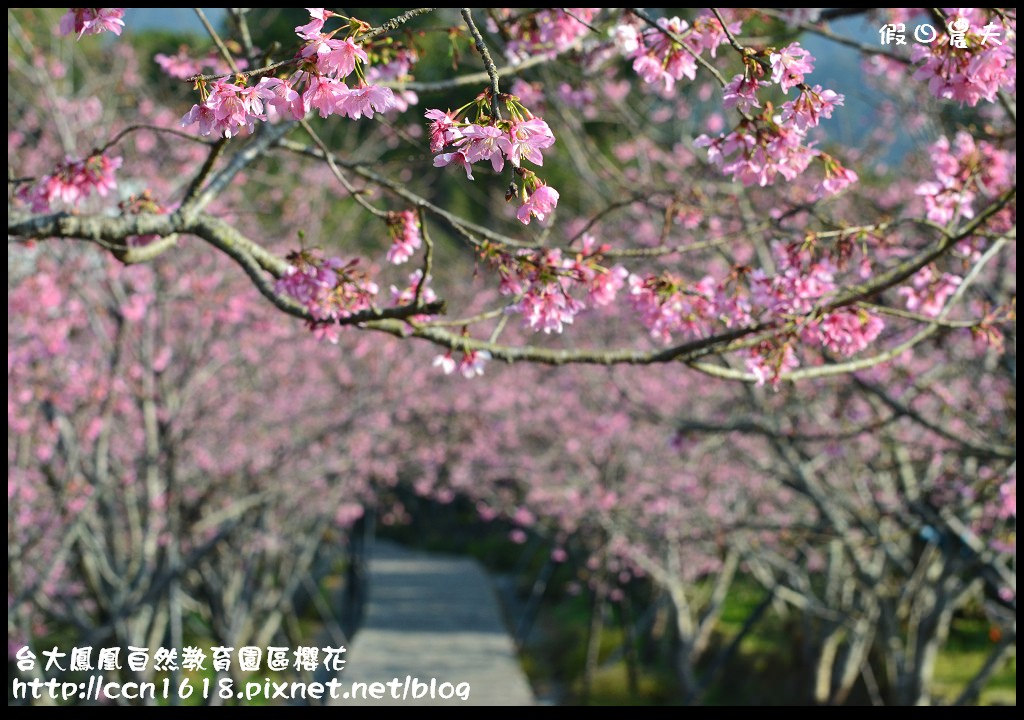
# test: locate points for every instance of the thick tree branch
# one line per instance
(253, 258)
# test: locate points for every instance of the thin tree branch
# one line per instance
(492, 71)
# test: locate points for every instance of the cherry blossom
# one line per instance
(73, 181)
(849, 331)
(341, 61)
(962, 170)
(405, 237)
(970, 74)
(548, 32)
(92, 21)
(283, 101)
(324, 94)
(548, 308)
(768, 362)
(328, 288)
(626, 38)
(741, 93)
(790, 64)
(180, 65)
(455, 158)
(928, 293)
(471, 364)
(659, 58)
(486, 143)
(540, 202)
(407, 295)
(364, 101)
(812, 104)
(527, 139)
(443, 130)
(311, 30)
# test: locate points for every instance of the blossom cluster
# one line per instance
(407, 295)
(977, 71)
(524, 137)
(770, 145)
(324, 63)
(515, 141)
(759, 149)
(542, 281)
(92, 21)
(328, 288)
(72, 181)
(668, 305)
(929, 291)
(658, 57)
(404, 228)
(963, 168)
(183, 66)
(550, 31)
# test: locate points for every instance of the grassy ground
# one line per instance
(763, 672)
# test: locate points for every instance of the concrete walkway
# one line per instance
(432, 616)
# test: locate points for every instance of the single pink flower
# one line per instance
(455, 158)
(541, 202)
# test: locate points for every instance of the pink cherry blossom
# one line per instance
(626, 38)
(768, 362)
(405, 231)
(324, 94)
(651, 69)
(408, 295)
(92, 21)
(486, 143)
(971, 74)
(548, 32)
(455, 158)
(548, 308)
(741, 93)
(758, 155)
(342, 58)
(179, 66)
(928, 293)
(328, 288)
(365, 100)
(473, 363)
(73, 181)
(311, 30)
(658, 58)
(848, 331)
(202, 114)
(540, 202)
(962, 170)
(605, 286)
(446, 362)
(527, 139)
(790, 64)
(282, 99)
(837, 178)
(442, 129)
(810, 106)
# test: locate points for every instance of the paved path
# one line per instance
(434, 616)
